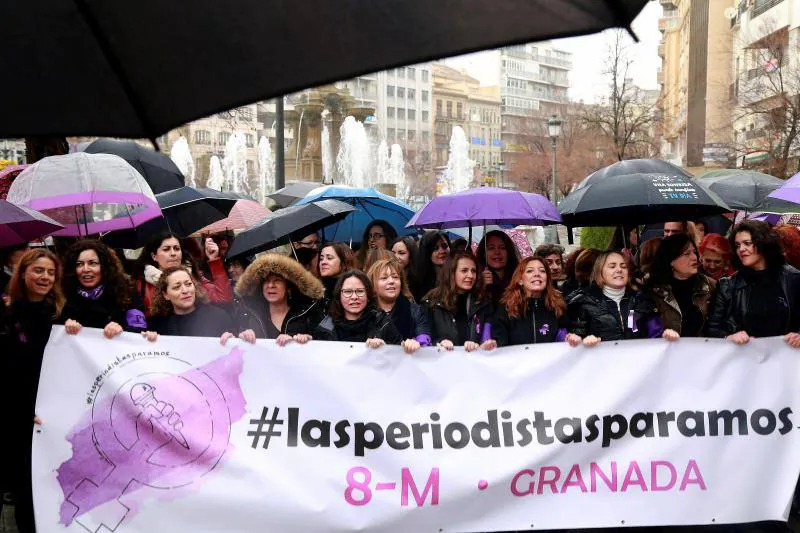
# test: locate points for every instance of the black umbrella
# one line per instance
(158, 170)
(139, 69)
(293, 192)
(639, 199)
(185, 211)
(633, 166)
(747, 190)
(282, 226)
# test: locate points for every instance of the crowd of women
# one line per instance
(394, 290)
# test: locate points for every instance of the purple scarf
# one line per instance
(91, 294)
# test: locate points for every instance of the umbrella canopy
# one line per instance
(789, 190)
(371, 205)
(633, 166)
(639, 199)
(19, 224)
(483, 206)
(158, 170)
(293, 192)
(86, 193)
(205, 57)
(285, 225)
(244, 214)
(747, 190)
(7, 176)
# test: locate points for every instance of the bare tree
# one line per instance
(767, 102)
(625, 118)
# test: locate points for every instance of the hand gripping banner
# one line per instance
(186, 435)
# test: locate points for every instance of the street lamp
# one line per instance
(554, 129)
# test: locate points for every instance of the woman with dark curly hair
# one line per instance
(762, 299)
(99, 293)
(497, 260)
(180, 308)
(355, 316)
(434, 251)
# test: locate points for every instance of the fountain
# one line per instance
(397, 172)
(352, 162)
(459, 173)
(327, 156)
(182, 158)
(382, 172)
(234, 163)
(266, 169)
(216, 178)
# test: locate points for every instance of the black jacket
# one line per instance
(538, 324)
(207, 320)
(590, 312)
(98, 313)
(445, 327)
(410, 319)
(734, 297)
(373, 324)
(303, 317)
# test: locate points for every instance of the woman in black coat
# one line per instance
(457, 312)
(280, 300)
(531, 310)
(179, 309)
(497, 260)
(434, 251)
(392, 295)
(99, 293)
(35, 303)
(354, 316)
(762, 298)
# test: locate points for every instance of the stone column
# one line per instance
(310, 153)
(292, 118)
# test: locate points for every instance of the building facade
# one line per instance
(694, 104)
(534, 84)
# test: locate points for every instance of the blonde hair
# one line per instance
(380, 265)
(600, 262)
(17, 291)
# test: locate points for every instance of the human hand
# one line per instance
(224, 337)
(111, 330)
(740, 337)
(410, 346)
(471, 346)
(573, 339)
(375, 343)
(489, 345)
(283, 339)
(447, 345)
(37, 420)
(248, 335)
(72, 327)
(792, 339)
(591, 340)
(670, 335)
(212, 250)
(488, 279)
(302, 338)
(151, 336)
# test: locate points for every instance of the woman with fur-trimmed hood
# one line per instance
(280, 300)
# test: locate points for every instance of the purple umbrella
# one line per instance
(20, 224)
(484, 206)
(789, 191)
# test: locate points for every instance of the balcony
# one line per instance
(525, 75)
(762, 6)
(661, 50)
(552, 61)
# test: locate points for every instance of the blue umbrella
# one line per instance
(370, 205)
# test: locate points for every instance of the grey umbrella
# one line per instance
(293, 192)
(747, 190)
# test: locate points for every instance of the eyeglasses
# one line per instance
(376, 236)
(358, 293)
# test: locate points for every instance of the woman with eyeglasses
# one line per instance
(681, 293)
(762, 299)
(434, 251)
(354, 315)
(458, 314)
(377, 235)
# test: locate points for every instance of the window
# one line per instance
(202, 137)
(400, 72)
(426, 136)
(449, 109)
(412, 94)
(401, 135)
(412, 135)
(412, 114)
(425, 76)
(389, 112)
(390, 90)
(401, 92)
(248, 137)
(223, 137)
(438, 108)
(425, 116)
(389, 134)
(424, 96)
(411, 73)
(460, 110)
(401, 113)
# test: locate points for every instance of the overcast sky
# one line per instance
(588, 54)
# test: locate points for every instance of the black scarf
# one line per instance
(401, 317)
(355, 330)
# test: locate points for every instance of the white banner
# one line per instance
(187, 435)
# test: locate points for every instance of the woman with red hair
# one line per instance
(790, 242)
(715, 252)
